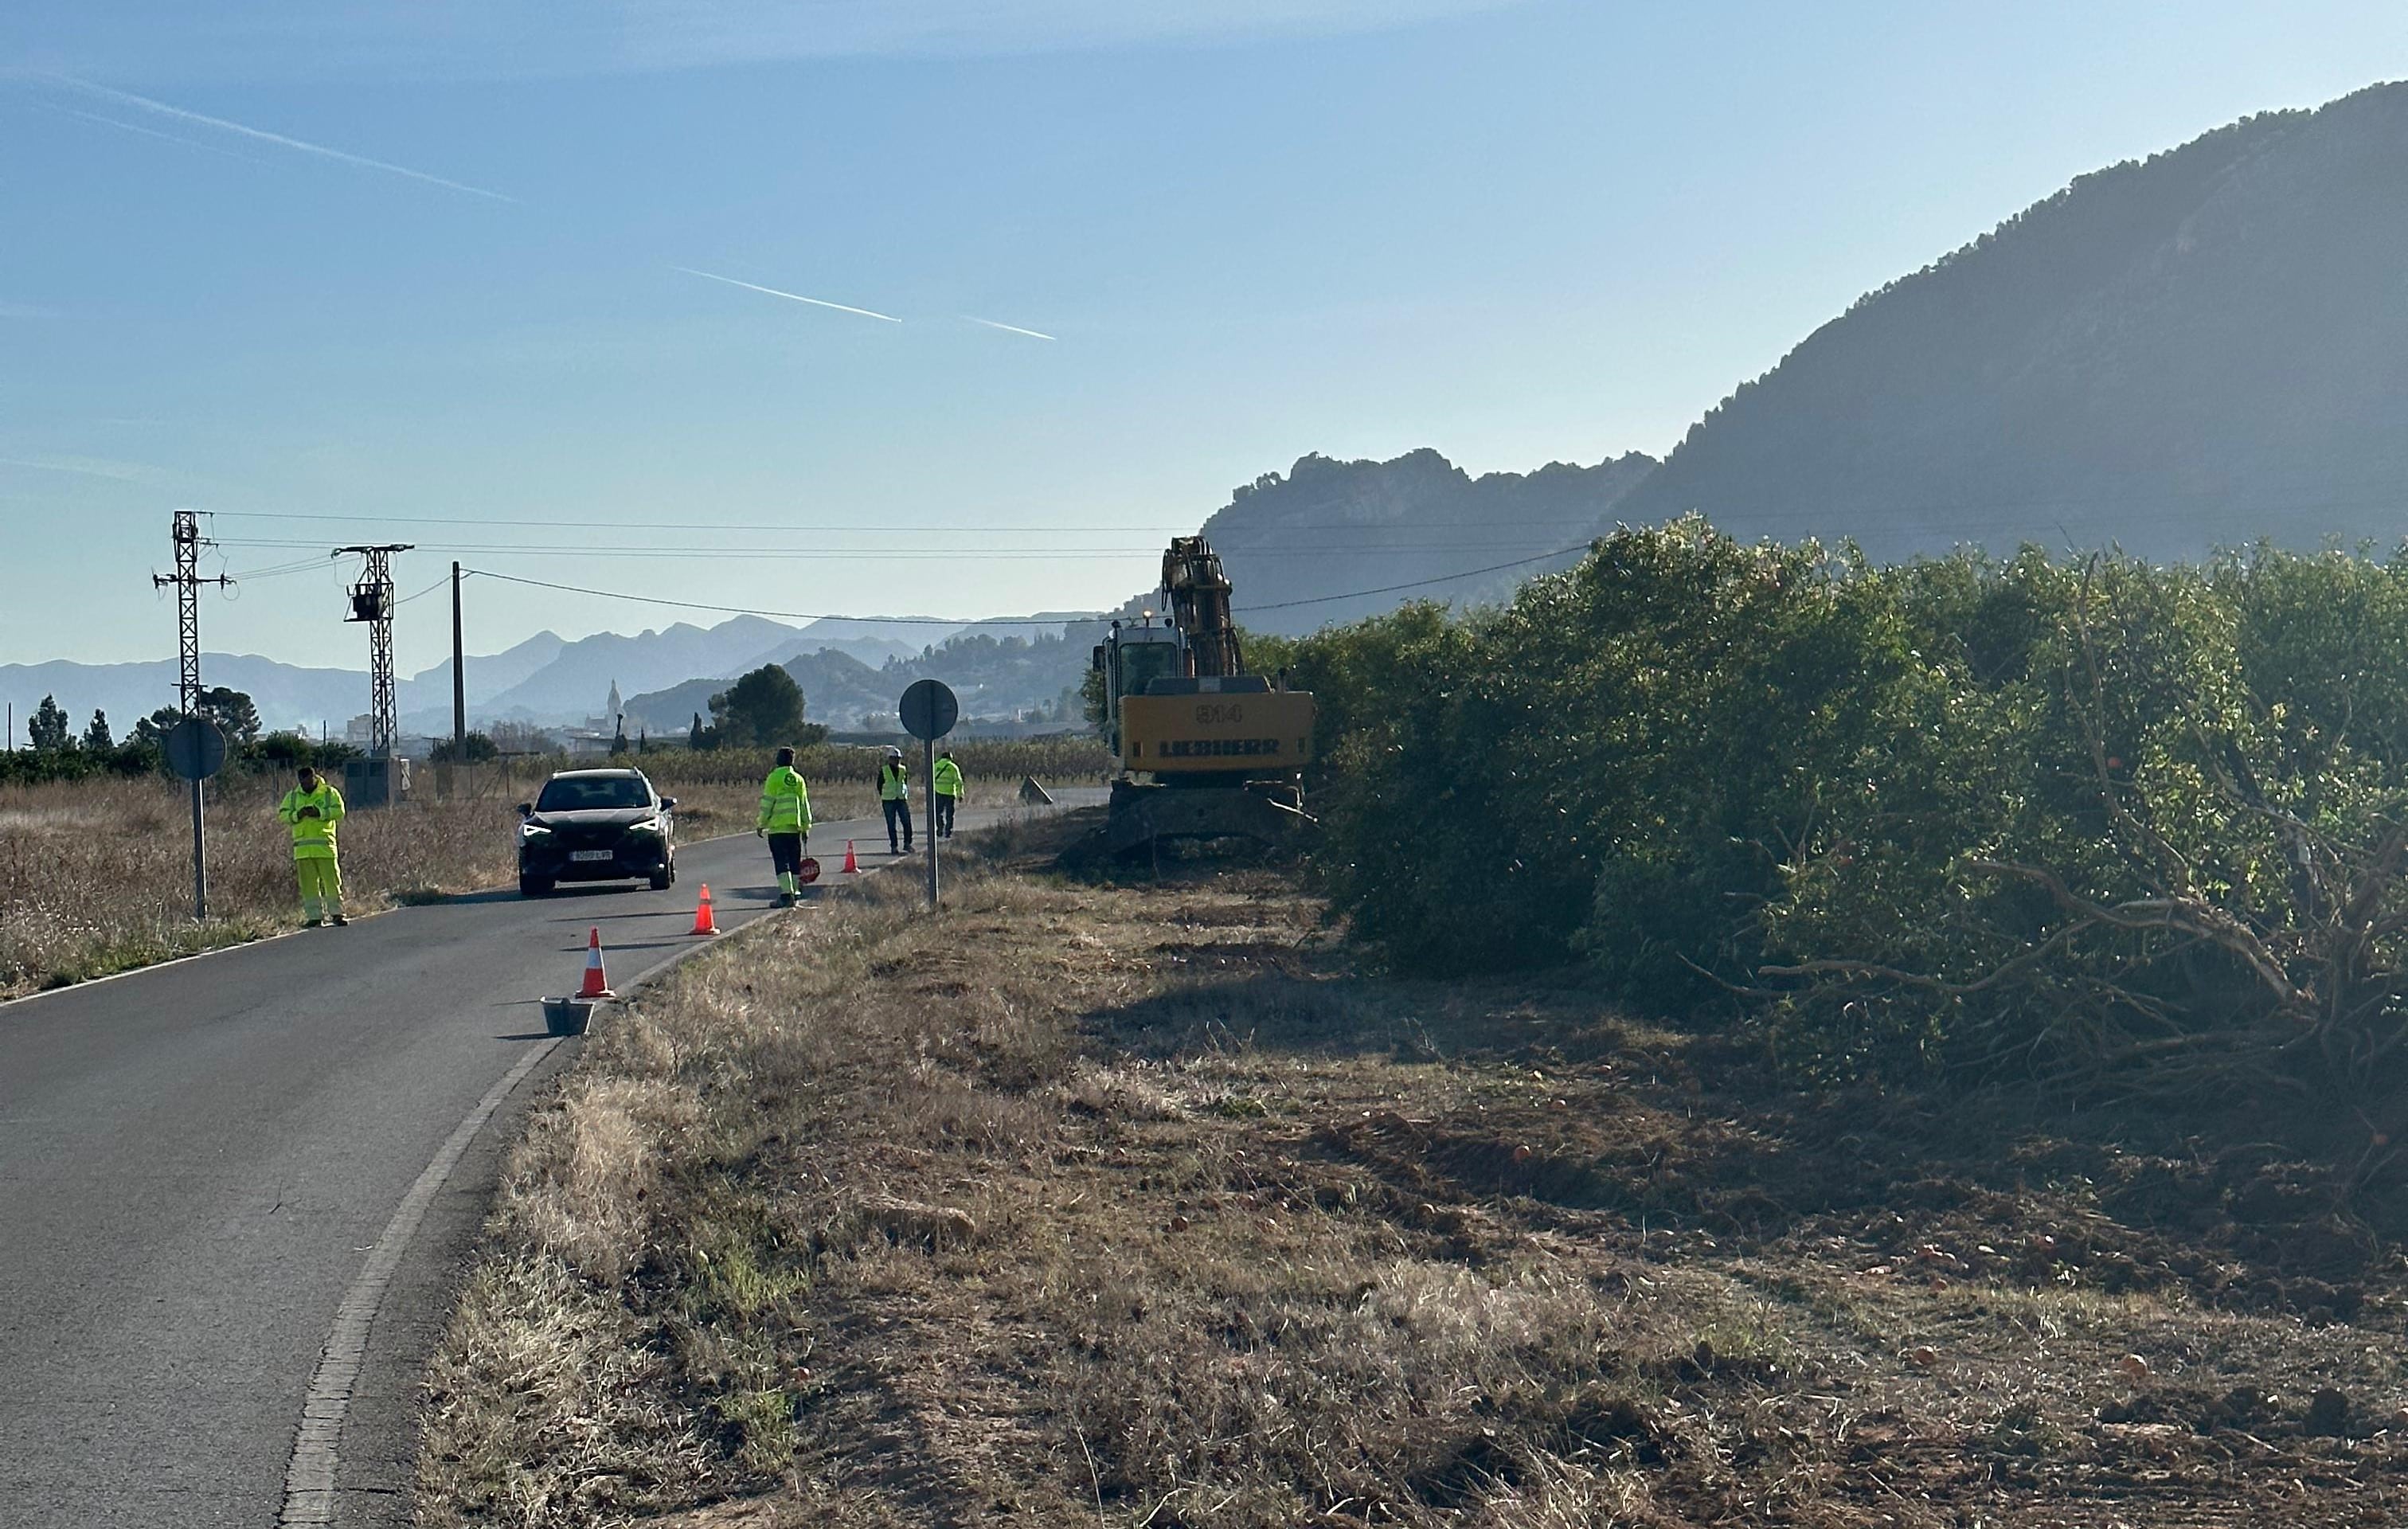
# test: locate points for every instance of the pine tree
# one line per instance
(48, 729)
(97, 737)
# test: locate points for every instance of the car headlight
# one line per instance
(533, 831)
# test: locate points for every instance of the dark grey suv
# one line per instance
(596, 825)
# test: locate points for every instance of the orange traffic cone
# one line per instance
(597, 984)
(852, 867)
(703, 922)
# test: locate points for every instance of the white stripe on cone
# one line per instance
(597, 985)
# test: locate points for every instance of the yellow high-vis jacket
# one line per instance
(785, 803)
(948, 781)
(313, 839)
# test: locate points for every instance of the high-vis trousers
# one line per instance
(322, 886)
(786, 854)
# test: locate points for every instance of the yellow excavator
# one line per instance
(1206, 750)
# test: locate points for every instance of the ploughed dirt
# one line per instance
(1141, 1203)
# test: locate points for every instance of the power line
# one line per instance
(1416, 584)
(733, 554)
(1145, 528)
(771, 527)
(789, 615)
(908, 554)
(1001, 621)
(280, 570)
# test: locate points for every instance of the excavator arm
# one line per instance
(1199, 592)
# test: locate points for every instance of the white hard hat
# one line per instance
(892, 752)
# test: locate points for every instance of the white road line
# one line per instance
(241, 945)
(309, 1480)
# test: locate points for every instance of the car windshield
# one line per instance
(590, 793)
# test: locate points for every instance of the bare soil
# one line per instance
(1144, 1203)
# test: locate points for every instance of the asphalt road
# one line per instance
(196, 1161)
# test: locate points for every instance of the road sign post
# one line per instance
(929, 710)
(196, 751)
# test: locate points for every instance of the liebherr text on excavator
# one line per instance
(1206, 750)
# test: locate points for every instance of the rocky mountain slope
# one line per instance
(1300, 546)
(2203, 348)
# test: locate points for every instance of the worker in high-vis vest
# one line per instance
(894, 796)
(786, 822)
(946, 781)
(312, 810)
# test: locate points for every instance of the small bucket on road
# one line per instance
(566, 1016)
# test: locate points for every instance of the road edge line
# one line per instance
(309, 1475)
(311, 1472)
(234, 946)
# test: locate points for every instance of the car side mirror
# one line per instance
(668, 804)
(526, 810)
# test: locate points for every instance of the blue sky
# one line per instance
(433, 261)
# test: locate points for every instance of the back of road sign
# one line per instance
(195, 748)
(929, 710)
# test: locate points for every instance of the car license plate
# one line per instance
(591, 854)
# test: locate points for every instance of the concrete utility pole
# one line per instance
(459, 680)
(187, 579)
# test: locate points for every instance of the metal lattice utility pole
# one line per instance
(188, 581)
(372, 602)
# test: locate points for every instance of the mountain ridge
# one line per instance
(2197, 349)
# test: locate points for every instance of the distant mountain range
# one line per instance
(546, 679)
(996, 672)
(2203, 349)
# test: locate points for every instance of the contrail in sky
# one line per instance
(179, 114)
(1008, 329)
(790, 296)
(123, 472)
(163, 138)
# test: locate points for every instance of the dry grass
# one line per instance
(1139, 1205)
(96, 877)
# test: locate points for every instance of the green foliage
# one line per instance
(2072, 817)
(763, 709)
(233, 711)
(47, 729)
(155, 728)
(96, 736)
(472, 749)
(282, 751)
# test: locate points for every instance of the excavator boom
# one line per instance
(1198, 593)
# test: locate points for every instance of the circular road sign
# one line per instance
(809, 872)
(195, 748)
(929, 710)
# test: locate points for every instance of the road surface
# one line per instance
(198, 1162)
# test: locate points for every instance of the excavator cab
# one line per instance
(1132, 658)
